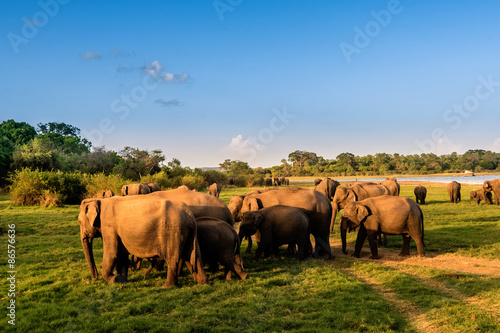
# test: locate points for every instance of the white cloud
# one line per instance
(89, 55)
(172, 102)
(155, 70)
(238, 144)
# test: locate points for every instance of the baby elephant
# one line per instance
(278, 225)
(481, 195)
(387, 214)
(420, 194)
(219, 243)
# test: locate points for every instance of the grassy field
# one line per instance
(456, 288)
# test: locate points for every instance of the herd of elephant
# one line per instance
(183, 226)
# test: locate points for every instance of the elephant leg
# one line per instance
(152, 263)
(406, 246)
(259, 250)
(360, 240)
(228, 273)
(291, 249)
(420, 246)
(110, 258)
(372, 240)
(249, 246)
(239, 271)
(321, 245)
(122, 261)
(172, 267)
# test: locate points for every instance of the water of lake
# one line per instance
(475, 180)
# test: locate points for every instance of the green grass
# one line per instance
(55, 291)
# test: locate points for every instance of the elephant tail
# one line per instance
(422, 223)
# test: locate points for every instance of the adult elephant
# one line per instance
(493, 185)
(387, 214)
(135, 189)
(269, 182)
(201, 204)
(356, 192)
(153, 187)
(214, 189)
(152, 228)
(315, 205)
(277, 181)
(392, 185)
(327, 186)
(454, 191)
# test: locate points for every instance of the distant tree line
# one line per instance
(58, 147)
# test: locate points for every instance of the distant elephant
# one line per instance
(233, 181)
(315, 205)
(420, 194)
(214, 189)
(108, 194)
(282, 180)
(135, 189)
(481, 194)
(387, 214)
(317, 181)
(493, 185)
(201, 204)
(153, 187)
(278, 225)
(357, 192)
(454, 191)
(219, 243)
(277, 181)
(392, 185)
(287, 182)
(327, 186)
(269, 182)
(145, 228)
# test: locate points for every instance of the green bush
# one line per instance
(99, 183)
(194, 182)
(32, 187)
(27, 186)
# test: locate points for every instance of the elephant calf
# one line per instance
(387, 214)
(481, 194)
(278, 225)
(420, 194)
(219, 243)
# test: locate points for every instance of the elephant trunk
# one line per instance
(89, 255)
(321, 244)
(335, 209)
(343, 233)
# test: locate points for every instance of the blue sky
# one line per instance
(256, 80)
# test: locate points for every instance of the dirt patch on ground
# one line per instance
(440, 261)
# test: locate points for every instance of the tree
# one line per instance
(18, 133)
(63, 137)
(100, 161)
(140, 162)
(300, 157)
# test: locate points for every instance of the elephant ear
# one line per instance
(253, 204)
(362, 212)
(93, 212)
(257, 219)
(351, 196)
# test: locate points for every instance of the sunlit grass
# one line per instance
(281, 294)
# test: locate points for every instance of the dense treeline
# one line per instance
(54, 161)
(303, 163)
